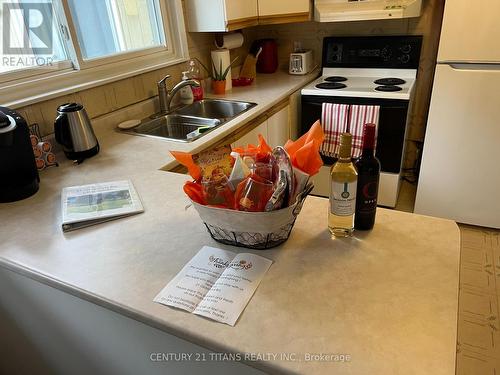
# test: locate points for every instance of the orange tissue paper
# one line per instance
(195, 192)
(304, 152)
(260, 152)
(186, 159)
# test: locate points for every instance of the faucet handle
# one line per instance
(163, 81)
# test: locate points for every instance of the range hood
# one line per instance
(359, 10)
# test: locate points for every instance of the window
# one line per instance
(52, 47)
(121, 26)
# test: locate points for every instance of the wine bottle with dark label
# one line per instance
(368, 168)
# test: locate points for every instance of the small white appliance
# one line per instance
(379, 71)
(301, 62)
(460, 171)
(360, 10)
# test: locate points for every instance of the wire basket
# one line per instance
(253, 230)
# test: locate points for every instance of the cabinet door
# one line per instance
(220, 15)
(295, 115)
(241, 13)
(282, 11)
(278, 128)
(205, 15)
(252, 137)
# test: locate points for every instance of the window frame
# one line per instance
(58, 66)
(29, 86)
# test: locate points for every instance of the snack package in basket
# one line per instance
(254, 178)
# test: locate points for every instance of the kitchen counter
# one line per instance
(387, 298)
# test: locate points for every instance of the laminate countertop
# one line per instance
(386, 298)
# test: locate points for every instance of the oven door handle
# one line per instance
(384, 107)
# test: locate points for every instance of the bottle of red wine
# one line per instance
(368, 168)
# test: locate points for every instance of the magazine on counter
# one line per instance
(87, 205)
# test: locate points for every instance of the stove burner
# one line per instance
(335, 79)
(330, 85)
(388, 88)
(390, 81)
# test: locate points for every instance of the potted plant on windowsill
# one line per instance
(218, 76)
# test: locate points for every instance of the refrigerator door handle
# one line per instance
(461, 65)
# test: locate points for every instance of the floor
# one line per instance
(478, 349)
(406, 198)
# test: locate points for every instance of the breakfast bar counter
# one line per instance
(387, 299)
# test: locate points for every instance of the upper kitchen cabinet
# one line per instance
(221, 15)
(284, 11)
(228, 15)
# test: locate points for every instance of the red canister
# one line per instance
(268, 58)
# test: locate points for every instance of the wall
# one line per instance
(311, 35)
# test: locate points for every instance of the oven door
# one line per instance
(391, 126)
(390, 140)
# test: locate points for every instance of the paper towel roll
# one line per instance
(223, 55)
(229, 41)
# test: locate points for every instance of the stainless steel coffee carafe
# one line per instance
(73, 130)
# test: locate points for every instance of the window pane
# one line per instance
(30, 36)
(107, 27)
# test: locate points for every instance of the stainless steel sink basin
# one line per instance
(176, 127)
(192, 121)
(223, 110)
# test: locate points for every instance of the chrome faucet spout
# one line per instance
(165, 96)
(163, 93)
(176, 88)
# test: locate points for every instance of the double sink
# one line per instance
(192, 121)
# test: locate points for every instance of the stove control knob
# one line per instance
(386, 53)
(406, 49)
(404, 59)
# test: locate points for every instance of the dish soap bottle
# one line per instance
(185, 93)
(343, 183)
(194, 73)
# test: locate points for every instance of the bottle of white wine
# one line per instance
(343, 183)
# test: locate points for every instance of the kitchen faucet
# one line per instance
(165, 96)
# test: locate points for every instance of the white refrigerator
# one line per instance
(460, 170)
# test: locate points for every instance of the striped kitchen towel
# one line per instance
(359, 115)
(334, 120)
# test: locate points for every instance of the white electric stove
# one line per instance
(360, 83)
(368, 71)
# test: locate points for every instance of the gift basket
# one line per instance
(251, 196)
